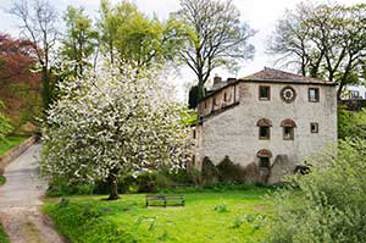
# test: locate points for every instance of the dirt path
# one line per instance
(20, 202)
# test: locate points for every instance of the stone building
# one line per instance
(271, 120)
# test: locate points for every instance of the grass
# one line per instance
(11, 142)
(231, 216)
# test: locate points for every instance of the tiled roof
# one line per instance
(274, 75)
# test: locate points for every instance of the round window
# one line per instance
(288, 94)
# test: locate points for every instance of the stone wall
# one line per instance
(16, 151)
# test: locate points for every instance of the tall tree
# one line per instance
(216, 37)
(111, 125)
(39, 24)
(80, 41)
(128, 36)
(325, 41)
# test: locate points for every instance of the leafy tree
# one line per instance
(5, 126)
(39, 25)
(215, 37)
(130, 37)
(16, 59)
(109, 125)
(80, 41)
(324, 41)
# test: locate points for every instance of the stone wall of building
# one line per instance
(235, 133)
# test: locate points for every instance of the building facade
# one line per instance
(271, 119)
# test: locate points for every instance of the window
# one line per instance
(225, 96)
(264, 128)
(288, 129)
(194, 134)
(314, 127)
(288, 133)
(264, 133)
(205, 104)
(264, 93)
(313, 94)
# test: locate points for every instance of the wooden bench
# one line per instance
(164, 200)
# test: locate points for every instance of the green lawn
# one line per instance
(11, 142)
(232, 216)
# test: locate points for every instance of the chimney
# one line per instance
(217, 80)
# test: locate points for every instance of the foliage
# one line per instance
(16, 58)
(215, 37)
(328, 205)
(230, 172)
(325, 41)
(89, 219)
(3, 236)
(130, 37)
(80, 41)
(5, 126)
(351, 124)
(10, 142)
(39, 20)
(111, 125)
(2, 180)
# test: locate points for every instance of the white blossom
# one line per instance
(110, 123)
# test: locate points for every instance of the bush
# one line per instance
(351, 124)
(329, 204)
(230, 172)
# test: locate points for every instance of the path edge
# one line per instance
(15, 152)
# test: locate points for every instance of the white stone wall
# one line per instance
(234, 132)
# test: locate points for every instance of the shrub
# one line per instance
(230, 172)
(209, 173)
(329, 204)
(351, 124)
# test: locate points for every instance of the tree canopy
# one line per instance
(130, 37)
(324, 41)
(109, 124)
(215, 37)
(80, 41)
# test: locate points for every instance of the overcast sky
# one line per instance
(260, 14)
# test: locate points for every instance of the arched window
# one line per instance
(264, 128)
(288, 129)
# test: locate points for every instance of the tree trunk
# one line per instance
(114, 188)
(200, 91)
(46, 91)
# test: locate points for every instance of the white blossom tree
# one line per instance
(109, 125)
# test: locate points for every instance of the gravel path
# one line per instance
(20, 201)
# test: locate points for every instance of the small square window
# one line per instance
(288, 133)
(264, 93)
(314, 127)
(264, 133)
(313, 94)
